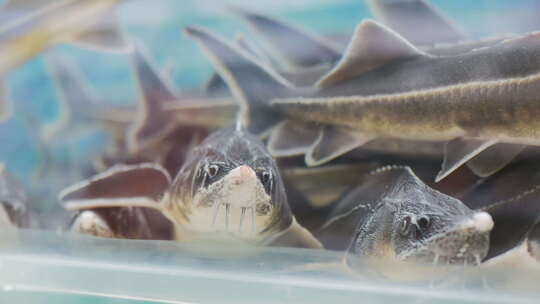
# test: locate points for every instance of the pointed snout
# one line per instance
(483, 222)
(242, 175)
(480, 221)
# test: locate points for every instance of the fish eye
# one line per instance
(265, 177)
(212, 170)
(405, 225)
(423, 223)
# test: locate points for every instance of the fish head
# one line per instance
(231, 187)
(430, 227)
(415, 223)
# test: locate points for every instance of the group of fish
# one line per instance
(312, 141)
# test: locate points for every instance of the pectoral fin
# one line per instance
(290, 138)
(459, 151)
(418, 21)
(333, 142)
(105, 35)
(494, 158)
(120, 186)
(296, 236)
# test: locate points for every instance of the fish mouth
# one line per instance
(466, 244)
(237, 206)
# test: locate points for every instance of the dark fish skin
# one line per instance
(229, 174)
(233, 148)
(393, 90)
(436, 98)
(511, 197)
(369, 221)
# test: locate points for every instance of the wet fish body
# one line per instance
(384, 87)
(229, 189)
(393, 220)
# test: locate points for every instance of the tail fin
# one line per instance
(152, 123)
(215, 85)
(251, 83)
(293, 45)
(76, 102)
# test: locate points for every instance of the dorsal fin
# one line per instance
(152, 123)
(291, 138)
(120, 186)
(245, 44)
(252, 84)
(293, 46)
(76, 99)
(333, 142)
(371, 45)
(417, 21)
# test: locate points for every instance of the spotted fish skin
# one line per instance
(394, 217)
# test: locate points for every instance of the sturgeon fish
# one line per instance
(395, 227)
(30, 27)
(393, 221)
(384, 87)
(161, 110)
(229, 189)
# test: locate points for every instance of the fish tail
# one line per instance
(252, 83)
(153, 122)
